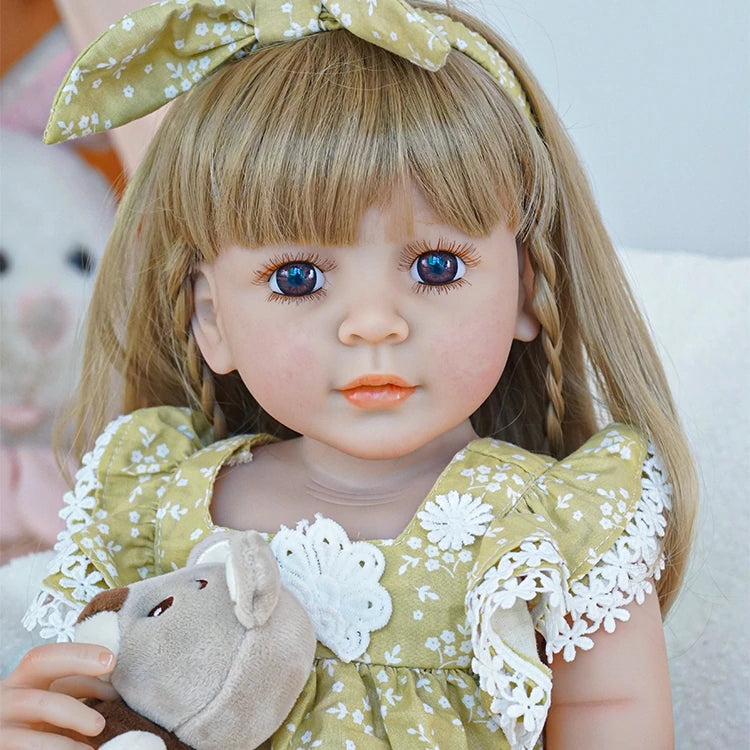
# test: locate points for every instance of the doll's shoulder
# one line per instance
(613, 486)
(139, 454)
(153, 463)
(609, 464)
(155, 444)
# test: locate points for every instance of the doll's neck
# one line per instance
(334, 477)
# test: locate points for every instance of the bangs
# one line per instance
(294, 143)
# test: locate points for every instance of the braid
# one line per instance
(197, 378)
(209, 404)
(548, 314)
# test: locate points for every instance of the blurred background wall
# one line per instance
(656, 96)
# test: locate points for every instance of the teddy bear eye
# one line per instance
(161, 607)
(4, 262)
(202, 581)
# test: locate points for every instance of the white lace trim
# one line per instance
(52, 611)
(536, 571)
(337, 581)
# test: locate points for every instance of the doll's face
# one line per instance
(374, 349)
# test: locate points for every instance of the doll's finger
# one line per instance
(81, 686)
(29, 706)
(44, 664)
(20, 738)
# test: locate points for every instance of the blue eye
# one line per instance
(296, 279)
(436, 268)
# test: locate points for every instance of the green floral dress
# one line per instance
(426, 640)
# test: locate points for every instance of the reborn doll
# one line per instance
(360, 299)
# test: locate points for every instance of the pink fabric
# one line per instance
(31, 492)
(30, 111)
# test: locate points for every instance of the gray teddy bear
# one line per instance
(216, 653)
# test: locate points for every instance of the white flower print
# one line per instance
(448, 636)
(453, 520)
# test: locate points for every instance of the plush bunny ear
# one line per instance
(253, 578)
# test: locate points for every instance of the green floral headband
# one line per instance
(154, 54)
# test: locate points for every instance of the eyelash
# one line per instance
(278, 261)
(465, 251)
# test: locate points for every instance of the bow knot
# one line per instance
(154, 54)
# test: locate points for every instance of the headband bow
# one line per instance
(154, 54)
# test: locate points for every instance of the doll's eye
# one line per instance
(161, 607)
(296, 279)
(437, 267)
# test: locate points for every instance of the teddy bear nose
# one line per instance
(43, 319)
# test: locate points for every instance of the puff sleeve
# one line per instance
(581, 543)
(140, 502)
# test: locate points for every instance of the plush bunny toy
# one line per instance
(55, 215)
(215, 653)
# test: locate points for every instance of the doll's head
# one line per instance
(293, 145)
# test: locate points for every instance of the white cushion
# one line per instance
(699, 308)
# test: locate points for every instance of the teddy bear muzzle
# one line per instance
(98, 622)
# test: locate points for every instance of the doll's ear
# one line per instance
(207, 325)
(527, 324)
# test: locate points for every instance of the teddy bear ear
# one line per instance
(212, 549)
(253, 578)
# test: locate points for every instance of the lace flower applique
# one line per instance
(337, 581)
(453, 521)
(52, 611)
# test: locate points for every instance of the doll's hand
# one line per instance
(39, 703)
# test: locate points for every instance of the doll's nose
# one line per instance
(373, 320)
(43, 318)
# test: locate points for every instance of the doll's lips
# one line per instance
(377, 391)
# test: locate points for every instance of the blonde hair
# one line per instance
(293, 144)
